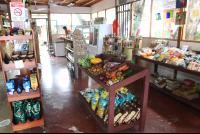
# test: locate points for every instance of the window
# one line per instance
(141, 18)
(94, 15)
(123, 15)
(101, 14)
(58, 21)
(165, 27)
(78, 18)
(192, 31)
(110, 15)
(39, 16)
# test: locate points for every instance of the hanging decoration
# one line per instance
(170, 14)
(122, 1)
(180, 18)
(135, 17)
(181, 3)
(158, 16)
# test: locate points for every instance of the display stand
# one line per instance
(112, 39)
(80, 50)
(142, 74)
(23, 95)
(1, 22)
(195, 102)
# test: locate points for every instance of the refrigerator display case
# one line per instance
(85, 30)
(96, 34)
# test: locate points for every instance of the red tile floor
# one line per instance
(65, 113)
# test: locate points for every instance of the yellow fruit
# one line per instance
(95, 60)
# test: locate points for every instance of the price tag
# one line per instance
(19, 64)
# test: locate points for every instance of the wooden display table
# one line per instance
(143, 73)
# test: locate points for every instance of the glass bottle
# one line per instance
(19, 88)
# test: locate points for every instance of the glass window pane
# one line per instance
(192, 31)
(94, 15)
(110, 15)
(39, 16)
(164, 27)
(101, 14)
(77, 19)
(61, 20)
(142, 23)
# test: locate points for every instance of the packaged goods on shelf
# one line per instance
(173, 56)
(26, 110)
(126, 104)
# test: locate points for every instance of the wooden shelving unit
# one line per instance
(195, 102)
(114, 39)
(142, 74)
(1, 22)
(68, 50)
(24, 95)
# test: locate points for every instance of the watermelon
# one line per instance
(86, 64)
(90, 56)
(80, 61)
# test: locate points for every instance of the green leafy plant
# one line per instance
(197, 36)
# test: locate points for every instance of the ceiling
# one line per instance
(79, 3)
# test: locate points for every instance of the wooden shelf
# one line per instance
(29, 124)
(6, 26)
(99, 120)
(143, 73)
(16, 37)
(69, 40)
(11, 65)
(4, 17)
(24, 95)
(69, 67)
(194, 103)
(196, 73)
(69, 49)
(69, 59)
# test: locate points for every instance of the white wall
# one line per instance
(105, 4)
(60, 9)
(167, 71)
(4, 7)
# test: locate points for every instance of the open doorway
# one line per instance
(42, 22)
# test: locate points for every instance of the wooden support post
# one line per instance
(155, 68)
(8, 6)
(49, 20)
(131, 23)
(151, 18)
(111, 111)
(144, 102)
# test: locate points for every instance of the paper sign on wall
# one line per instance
(17, 11)
(135, 17)
(195, 13)
(158, 16)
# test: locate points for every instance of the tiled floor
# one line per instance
(64, 112)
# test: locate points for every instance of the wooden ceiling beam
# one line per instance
(6, 1)
(62, 2)
(88, 2)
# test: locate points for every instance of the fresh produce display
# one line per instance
(110, 65)
(80, 61)
(97, 69)
(172, 55)
(90, 56)
(187, 90)
(86, 64)
(95, 60)
(127, 106)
